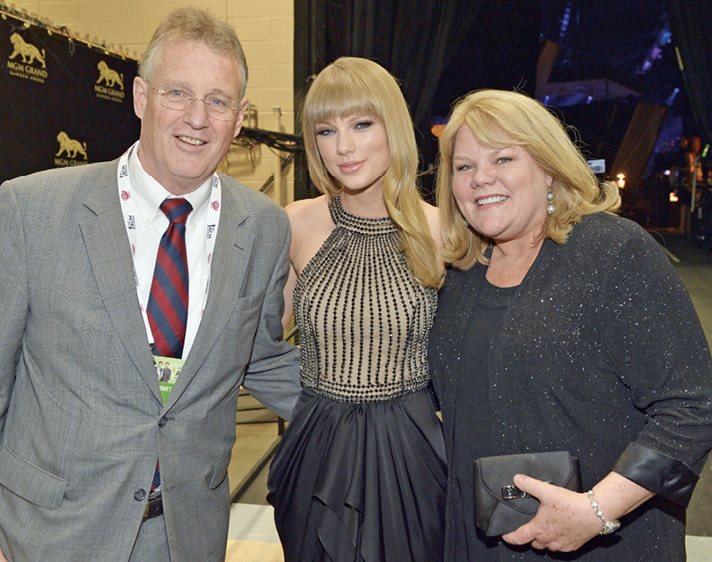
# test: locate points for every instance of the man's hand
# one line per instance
(564, 522)
(2, 557)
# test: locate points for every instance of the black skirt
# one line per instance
(363, 482)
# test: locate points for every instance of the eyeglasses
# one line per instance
(217, 107)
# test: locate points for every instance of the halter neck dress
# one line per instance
(360, 474)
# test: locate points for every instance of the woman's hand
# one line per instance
(565, 520)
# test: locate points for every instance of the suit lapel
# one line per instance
(112, 263)
(231, 258)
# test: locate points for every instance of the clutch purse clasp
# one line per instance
(513, 493)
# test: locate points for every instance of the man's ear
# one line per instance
(140, 96)
(241, 109)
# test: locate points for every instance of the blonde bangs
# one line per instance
(339, 93)
(337, 102)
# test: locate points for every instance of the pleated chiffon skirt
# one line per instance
(362, 482)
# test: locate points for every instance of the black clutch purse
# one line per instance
(501, 507)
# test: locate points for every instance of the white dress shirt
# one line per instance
(151, 223)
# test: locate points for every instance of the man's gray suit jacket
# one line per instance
(78, 444)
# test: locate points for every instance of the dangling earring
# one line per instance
(550, 209)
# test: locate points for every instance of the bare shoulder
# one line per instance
(311, 225)
(307, 207)
(309, 214)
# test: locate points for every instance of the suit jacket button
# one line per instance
(140, 495)
(162, 422)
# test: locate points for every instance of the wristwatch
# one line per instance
(608, 526)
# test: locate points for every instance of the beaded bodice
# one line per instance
(363, 317)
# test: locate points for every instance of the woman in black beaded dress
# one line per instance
(360, 474)
(561, 326)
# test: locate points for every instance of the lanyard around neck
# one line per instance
(130, 211)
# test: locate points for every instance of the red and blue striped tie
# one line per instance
(168, 302)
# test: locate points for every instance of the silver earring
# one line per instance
(550, 209)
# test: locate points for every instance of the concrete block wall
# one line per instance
(266, 30)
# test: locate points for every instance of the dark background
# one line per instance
(33, 113)
(441, 50)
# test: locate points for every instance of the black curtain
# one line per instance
(62, 102)
(691, 24)
(414, 39)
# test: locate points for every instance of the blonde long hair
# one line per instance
(351, 86)
(497, 119)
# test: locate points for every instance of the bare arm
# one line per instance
(295, 227)
(311, 224)
(288, 299)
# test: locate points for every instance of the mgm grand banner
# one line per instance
(63, 102)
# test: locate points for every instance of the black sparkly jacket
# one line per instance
(601, 353)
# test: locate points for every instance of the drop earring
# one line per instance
(550, 208)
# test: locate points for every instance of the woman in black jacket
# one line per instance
(561, 327)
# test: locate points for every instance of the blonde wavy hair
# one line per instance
(497, 119)
(354, 86)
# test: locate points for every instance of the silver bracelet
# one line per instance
(608, 525)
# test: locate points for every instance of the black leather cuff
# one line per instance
(667, 477)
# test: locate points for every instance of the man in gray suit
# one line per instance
(79, 452)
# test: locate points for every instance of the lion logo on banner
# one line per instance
(108, 76)
(27, 51)
(70, 146)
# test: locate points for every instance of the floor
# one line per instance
(252, 536)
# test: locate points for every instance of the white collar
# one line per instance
(149, 193)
